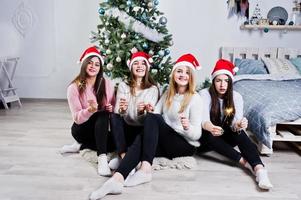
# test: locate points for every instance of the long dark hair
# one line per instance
(99, 85)
(215, 111)
(147, 81)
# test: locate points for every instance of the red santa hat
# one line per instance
(140, 55)
(91, 51)
(224, 67)
(187, 60)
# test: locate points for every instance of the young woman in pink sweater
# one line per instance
(91, 99)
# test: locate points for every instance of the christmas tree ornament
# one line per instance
(101, 11)
(143, 17)
(161, 53)
(129, 3)
(109, 66)
(154, 71)
(134, 50)
(163, 20)
(123, 36)
(156, 2)
(108, 51)
(145, 45)
(170, 42)
(107, 41)
(150, 5)
(265, 30)
(151, 52)
(136, 9)
(118, 59)
(167, 52)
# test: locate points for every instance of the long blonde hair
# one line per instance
(172, 90)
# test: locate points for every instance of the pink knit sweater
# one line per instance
(78, 104)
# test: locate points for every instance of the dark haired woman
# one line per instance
(134, 99)
(91, 99)
(223, 123)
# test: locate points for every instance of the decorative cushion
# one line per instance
(250, 66)
(297, 63)
(279, 66)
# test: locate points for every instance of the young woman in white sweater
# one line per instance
(223, 123)
(134, 100)
(175, 125)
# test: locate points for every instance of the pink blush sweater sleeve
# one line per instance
(79, 104)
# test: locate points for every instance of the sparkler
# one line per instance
(227, 113)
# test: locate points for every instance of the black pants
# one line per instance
(170, 143)
(156, 138)
(139, 146)
(123, 133)
(224, 145)
(94, 134)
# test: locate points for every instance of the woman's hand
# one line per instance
(92, 106)
(242, 124)
(123, 105)
(149, 107)
(109, 108)
(214, 130)
(141, 107)
(184, 121)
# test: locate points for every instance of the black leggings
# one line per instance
(156, 138)
(170, 143)
(224, 145)
(138, 145)
(93, 134)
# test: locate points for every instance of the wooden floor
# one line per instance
(32, 169)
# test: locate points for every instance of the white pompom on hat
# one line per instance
(91, 51)
(224, 67)
(187, 60)
(140, 55)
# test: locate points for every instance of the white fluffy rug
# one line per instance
(159, 163)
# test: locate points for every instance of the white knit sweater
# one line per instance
(193, 112)
(131, 116)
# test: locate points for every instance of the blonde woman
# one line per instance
(176, 121)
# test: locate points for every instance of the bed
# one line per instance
(272, 99)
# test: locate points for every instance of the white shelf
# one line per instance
(270, 27)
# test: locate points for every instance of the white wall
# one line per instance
(61, 29)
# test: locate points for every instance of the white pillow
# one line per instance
(279, 66)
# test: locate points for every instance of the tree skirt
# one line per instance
(159, 163)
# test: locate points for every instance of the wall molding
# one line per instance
(23, 18)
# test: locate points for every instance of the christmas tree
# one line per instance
(127, 26)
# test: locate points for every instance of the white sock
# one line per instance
(111, 186)
(114, 163)
(130, 174)
(71, 148)
(138, 178)
(263, 179)
(103, 167)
